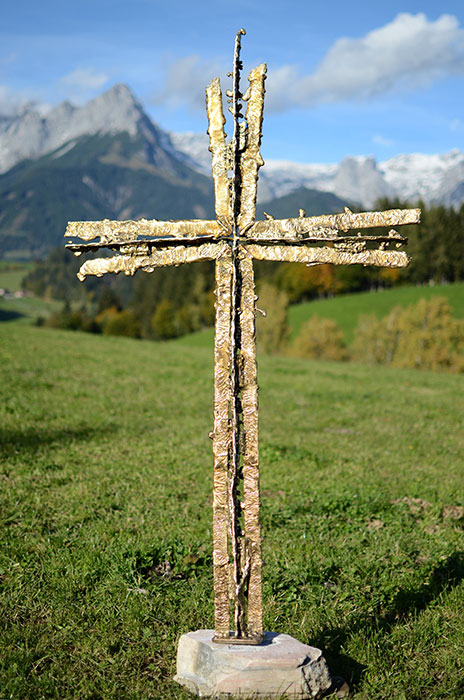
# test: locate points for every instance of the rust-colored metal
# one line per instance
(234, 240)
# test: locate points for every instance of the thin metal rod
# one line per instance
(234, 467)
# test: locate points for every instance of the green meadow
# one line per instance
(12, 274)
(345, 310)
(105, 516)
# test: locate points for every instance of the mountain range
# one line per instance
(434, 179)
(103, 160)
(109, 159)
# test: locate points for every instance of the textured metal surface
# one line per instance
(222, 446)
(311, 256)
(291, 229)
(250, 158)
(107, 231)
(220, 162)
(234, 240)
(129, 264)
(251, 564)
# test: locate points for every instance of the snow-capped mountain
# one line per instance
(31, 134)
(358, 179)
(103, 160)
(432, 178)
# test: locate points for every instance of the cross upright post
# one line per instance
(233, 240)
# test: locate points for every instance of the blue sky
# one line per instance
(377, 78)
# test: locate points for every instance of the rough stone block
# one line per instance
(279, 666)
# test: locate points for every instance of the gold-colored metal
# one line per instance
(233, 240)
(295, 229)
(219, 151)
(251, 548)
(222, 445)
(124, 231)
(251, 159)
(129, 264)
(311, 256)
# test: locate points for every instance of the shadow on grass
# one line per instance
(9, 315)
(29, 440)
(406, 603)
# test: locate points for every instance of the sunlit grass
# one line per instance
(105, 516)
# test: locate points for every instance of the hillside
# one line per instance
(312, 201)
(107, 158)
(106, 516)
(434, 179)
(96, 177)
(347, 308)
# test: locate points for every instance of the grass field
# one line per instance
(346, 309)
(28, 309)
(12, 274)
(105, 517)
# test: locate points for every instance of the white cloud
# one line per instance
(381, 140)
(409, 52)
(185, 82)
(12, 102)
(84, 79)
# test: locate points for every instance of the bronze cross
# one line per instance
(233, 240)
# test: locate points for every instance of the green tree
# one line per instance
(163, 323)
(123, 323)
(108, 299)
(320, 339)
(424, 335)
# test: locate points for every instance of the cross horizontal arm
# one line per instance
(325, 235)
(129, 264)
(140, 246)
(296, 229)
(123, 231)
(315, 256)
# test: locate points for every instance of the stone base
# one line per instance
(280, 666)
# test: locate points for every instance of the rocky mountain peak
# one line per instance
(30, 134)
(115, 110)
(434, 178)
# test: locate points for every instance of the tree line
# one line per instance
(175, 301)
